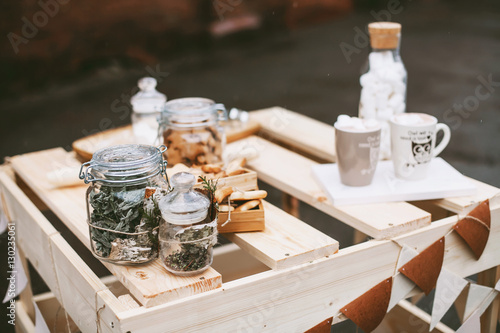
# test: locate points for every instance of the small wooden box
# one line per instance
(250, 220)
(245, 182)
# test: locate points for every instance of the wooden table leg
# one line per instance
(291, 204)
(489, 318)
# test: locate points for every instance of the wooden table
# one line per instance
(287, 278)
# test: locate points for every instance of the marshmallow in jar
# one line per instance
(383, 86)
(147, 105)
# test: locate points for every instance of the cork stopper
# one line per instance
(384, 35)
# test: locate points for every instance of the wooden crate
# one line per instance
(250, 220)
(287, 278)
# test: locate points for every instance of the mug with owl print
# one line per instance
(413, 143)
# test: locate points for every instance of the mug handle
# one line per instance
(446, 138)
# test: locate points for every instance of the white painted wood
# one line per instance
(442, 181)
(291, 173)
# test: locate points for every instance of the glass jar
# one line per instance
(188, 232)
(126, 184)
(191, 129)
(147, 105)
(383, 84)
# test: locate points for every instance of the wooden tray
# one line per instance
(87, 146)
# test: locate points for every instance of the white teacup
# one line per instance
(413, 143)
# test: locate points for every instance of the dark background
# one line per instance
(70, 76)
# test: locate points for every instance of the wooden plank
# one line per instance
(304, 133)
(24, 324)
(88, 145)
(489, 318)
(291, 173)
(406, 317)
(32, 230)
(463, 205)
(297, 298)
(79, 287)
(150, 283)
(285, 242)
(318, 139)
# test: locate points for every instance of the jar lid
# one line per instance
(183, 205)
(384, 35)
(148, 99)
(123, 163)
(190, 110)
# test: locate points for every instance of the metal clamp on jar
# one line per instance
(126, 184)
(191, 129)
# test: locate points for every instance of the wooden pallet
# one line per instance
(289, 277)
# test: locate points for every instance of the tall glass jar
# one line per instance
(383, 84)
(147, 105)
(191, 129)
(188, 232)
(126, 184)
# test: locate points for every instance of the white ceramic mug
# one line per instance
(413, 143)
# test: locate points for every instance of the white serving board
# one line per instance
(442, 181)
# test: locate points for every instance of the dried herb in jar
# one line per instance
(134, 216)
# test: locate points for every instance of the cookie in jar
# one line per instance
(192, 132)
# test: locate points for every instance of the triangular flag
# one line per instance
(475, 228)
(401, 285)
(476, 298)
(40, 324)
(368, 310)
(472, 325)
(449, 286)
(497, 286)
(424, 269)
(324, 327)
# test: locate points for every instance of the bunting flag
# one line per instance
(473, 298)
(401, 285)
(424, 269)
(368, 310)
(448, 288)
(475, 228)
(324, 327)
(472, 325)
(40, 324)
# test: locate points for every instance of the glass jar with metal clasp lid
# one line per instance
(126, 184)
(191, 129)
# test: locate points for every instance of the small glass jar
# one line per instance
(187, 232)
(383, 84)
(147, 105)
(191, 129)
(126, 184)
